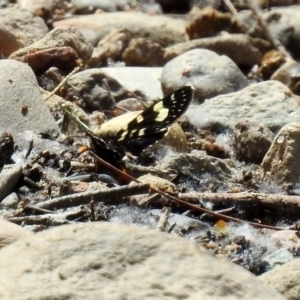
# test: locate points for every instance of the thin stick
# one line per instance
(92, 204)
(31, 183)
(29, 149)
(41, 210)
(62, 83)
(163, 219)
(172, 226)
(231, 7)
(107, 196)
(112, 97)
(109, 91)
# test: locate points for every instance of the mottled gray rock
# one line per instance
(89, 86)
(21, 104)
(161, 29)
(204, 70)
(10, 232)
(196, 164)
(286, 238)
(270, 103)
(10, 201)
(109, 261)
(278, 257)
(282, 161)
(9, 177)
(24, 24)
(283, 23)
(251, 140)
(285, 279)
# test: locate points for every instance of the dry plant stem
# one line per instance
(62, 83)
(231, 7)
(172, 226)
(280, 204)
(79, 166)
(112, 97)
(163, 219)
(181, 202)
(109, 91)
(40, 210)
(31, 183)
(30, 147)
(53, 219)
(92, 204)
(106, 196)
(146, 200)
(264, 26)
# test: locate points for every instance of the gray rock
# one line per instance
(89, 86)
(281, 162)
(278, 257)
(10, 232)
(251, 140)
(161, 29)
(10, 201)
(286, 238)
(284, 24)
(9, 177)
(196, 164)
(141, 81)
(19, 89)
(285, 279)
(109, 261)
(24, 24)
(270, 103)
(204, 70)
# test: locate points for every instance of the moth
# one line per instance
(148, 127)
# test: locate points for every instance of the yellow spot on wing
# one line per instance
(139, 119)
(122, 137)
(142, 132)
(158, 106)
(162, 115)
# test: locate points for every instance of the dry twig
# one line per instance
(280, 205)
(107, 196)
(53, 219)
(62, 83)
(163, 219)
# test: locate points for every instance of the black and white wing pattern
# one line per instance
(153, 123)
(147, 128)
